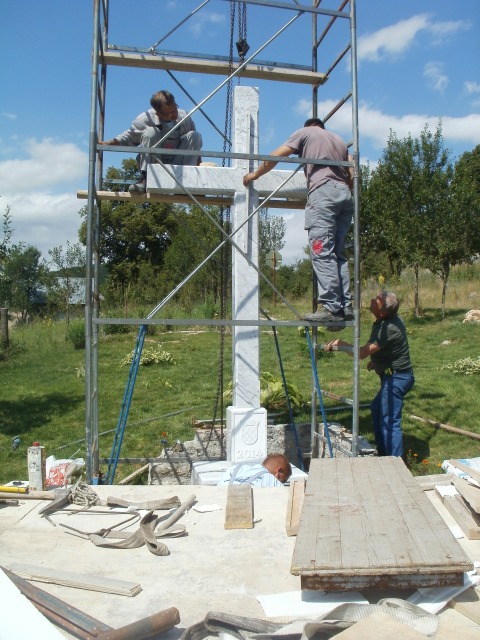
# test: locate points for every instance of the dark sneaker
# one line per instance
(348, 312)
(138, 187)
(324, 316)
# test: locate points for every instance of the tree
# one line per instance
(271, 232)
(133, 237)
(412, 210)
(68, 280)
(24, 275)
(195, 238)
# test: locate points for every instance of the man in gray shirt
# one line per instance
(328, 214)
(151, 126)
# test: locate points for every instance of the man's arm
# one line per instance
(366, 350)
(268, 165)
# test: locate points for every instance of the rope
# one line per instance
(83, 495)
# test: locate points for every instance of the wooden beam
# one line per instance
(468, 604)
(294, 506)
(135, 474)
(428, 483)
(239, 509)
(214, 67)
(467, 520)
(88, 582)
(469, 493)
(470, 471)
(184, 198)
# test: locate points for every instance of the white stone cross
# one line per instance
(246, 420)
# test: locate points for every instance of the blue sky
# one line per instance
(417, 63)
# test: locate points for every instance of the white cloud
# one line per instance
(375, 125)
(436, 79)
(43, 220)
(470, 87)
(441, 30)
(393, 41)
(41, 217)
(202, 20)
(48, 164)
(8, 116)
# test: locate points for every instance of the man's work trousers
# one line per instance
(191, 141)
(328, 217)
(386, 411)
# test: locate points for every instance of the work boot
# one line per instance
(324, 316)
(138, 187)
(348, 312)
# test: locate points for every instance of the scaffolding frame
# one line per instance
(105, 54)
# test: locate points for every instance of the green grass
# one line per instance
(42, 395)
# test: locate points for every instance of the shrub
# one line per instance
(156, 355)
(76, 333)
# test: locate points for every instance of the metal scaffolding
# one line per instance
(249, 65)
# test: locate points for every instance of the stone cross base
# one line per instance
(246, 435)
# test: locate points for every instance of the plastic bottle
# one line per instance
(36, 467)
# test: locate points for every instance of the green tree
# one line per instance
(271, 233)
(5, 249)
(133, 239)
(412, 211)
(195, 238)
(25, 274)
(67, 281)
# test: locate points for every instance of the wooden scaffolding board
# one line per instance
(264, 71)
(180, 198)
(367, 524)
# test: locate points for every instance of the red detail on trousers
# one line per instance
(317, 246)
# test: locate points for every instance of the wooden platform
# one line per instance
(180, 198)
(189, 64)
(366, 524)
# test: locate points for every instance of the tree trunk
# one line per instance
(417, 305)
(446, 273)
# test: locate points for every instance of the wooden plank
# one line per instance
(219, 201)
(467, 520)
(76, 580)
(214, 67)
(428, 483)
(239, 509)
(366, 523)
(294, 506)
(473, 473)
(380, 626)
(470, 493)
(468, 604)
(135, 474)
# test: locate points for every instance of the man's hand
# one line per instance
(250, 177)
(330, 345)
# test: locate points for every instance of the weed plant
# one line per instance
(42, 396)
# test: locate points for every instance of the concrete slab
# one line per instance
(209, 569)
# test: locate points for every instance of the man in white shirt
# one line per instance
(274, 471)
